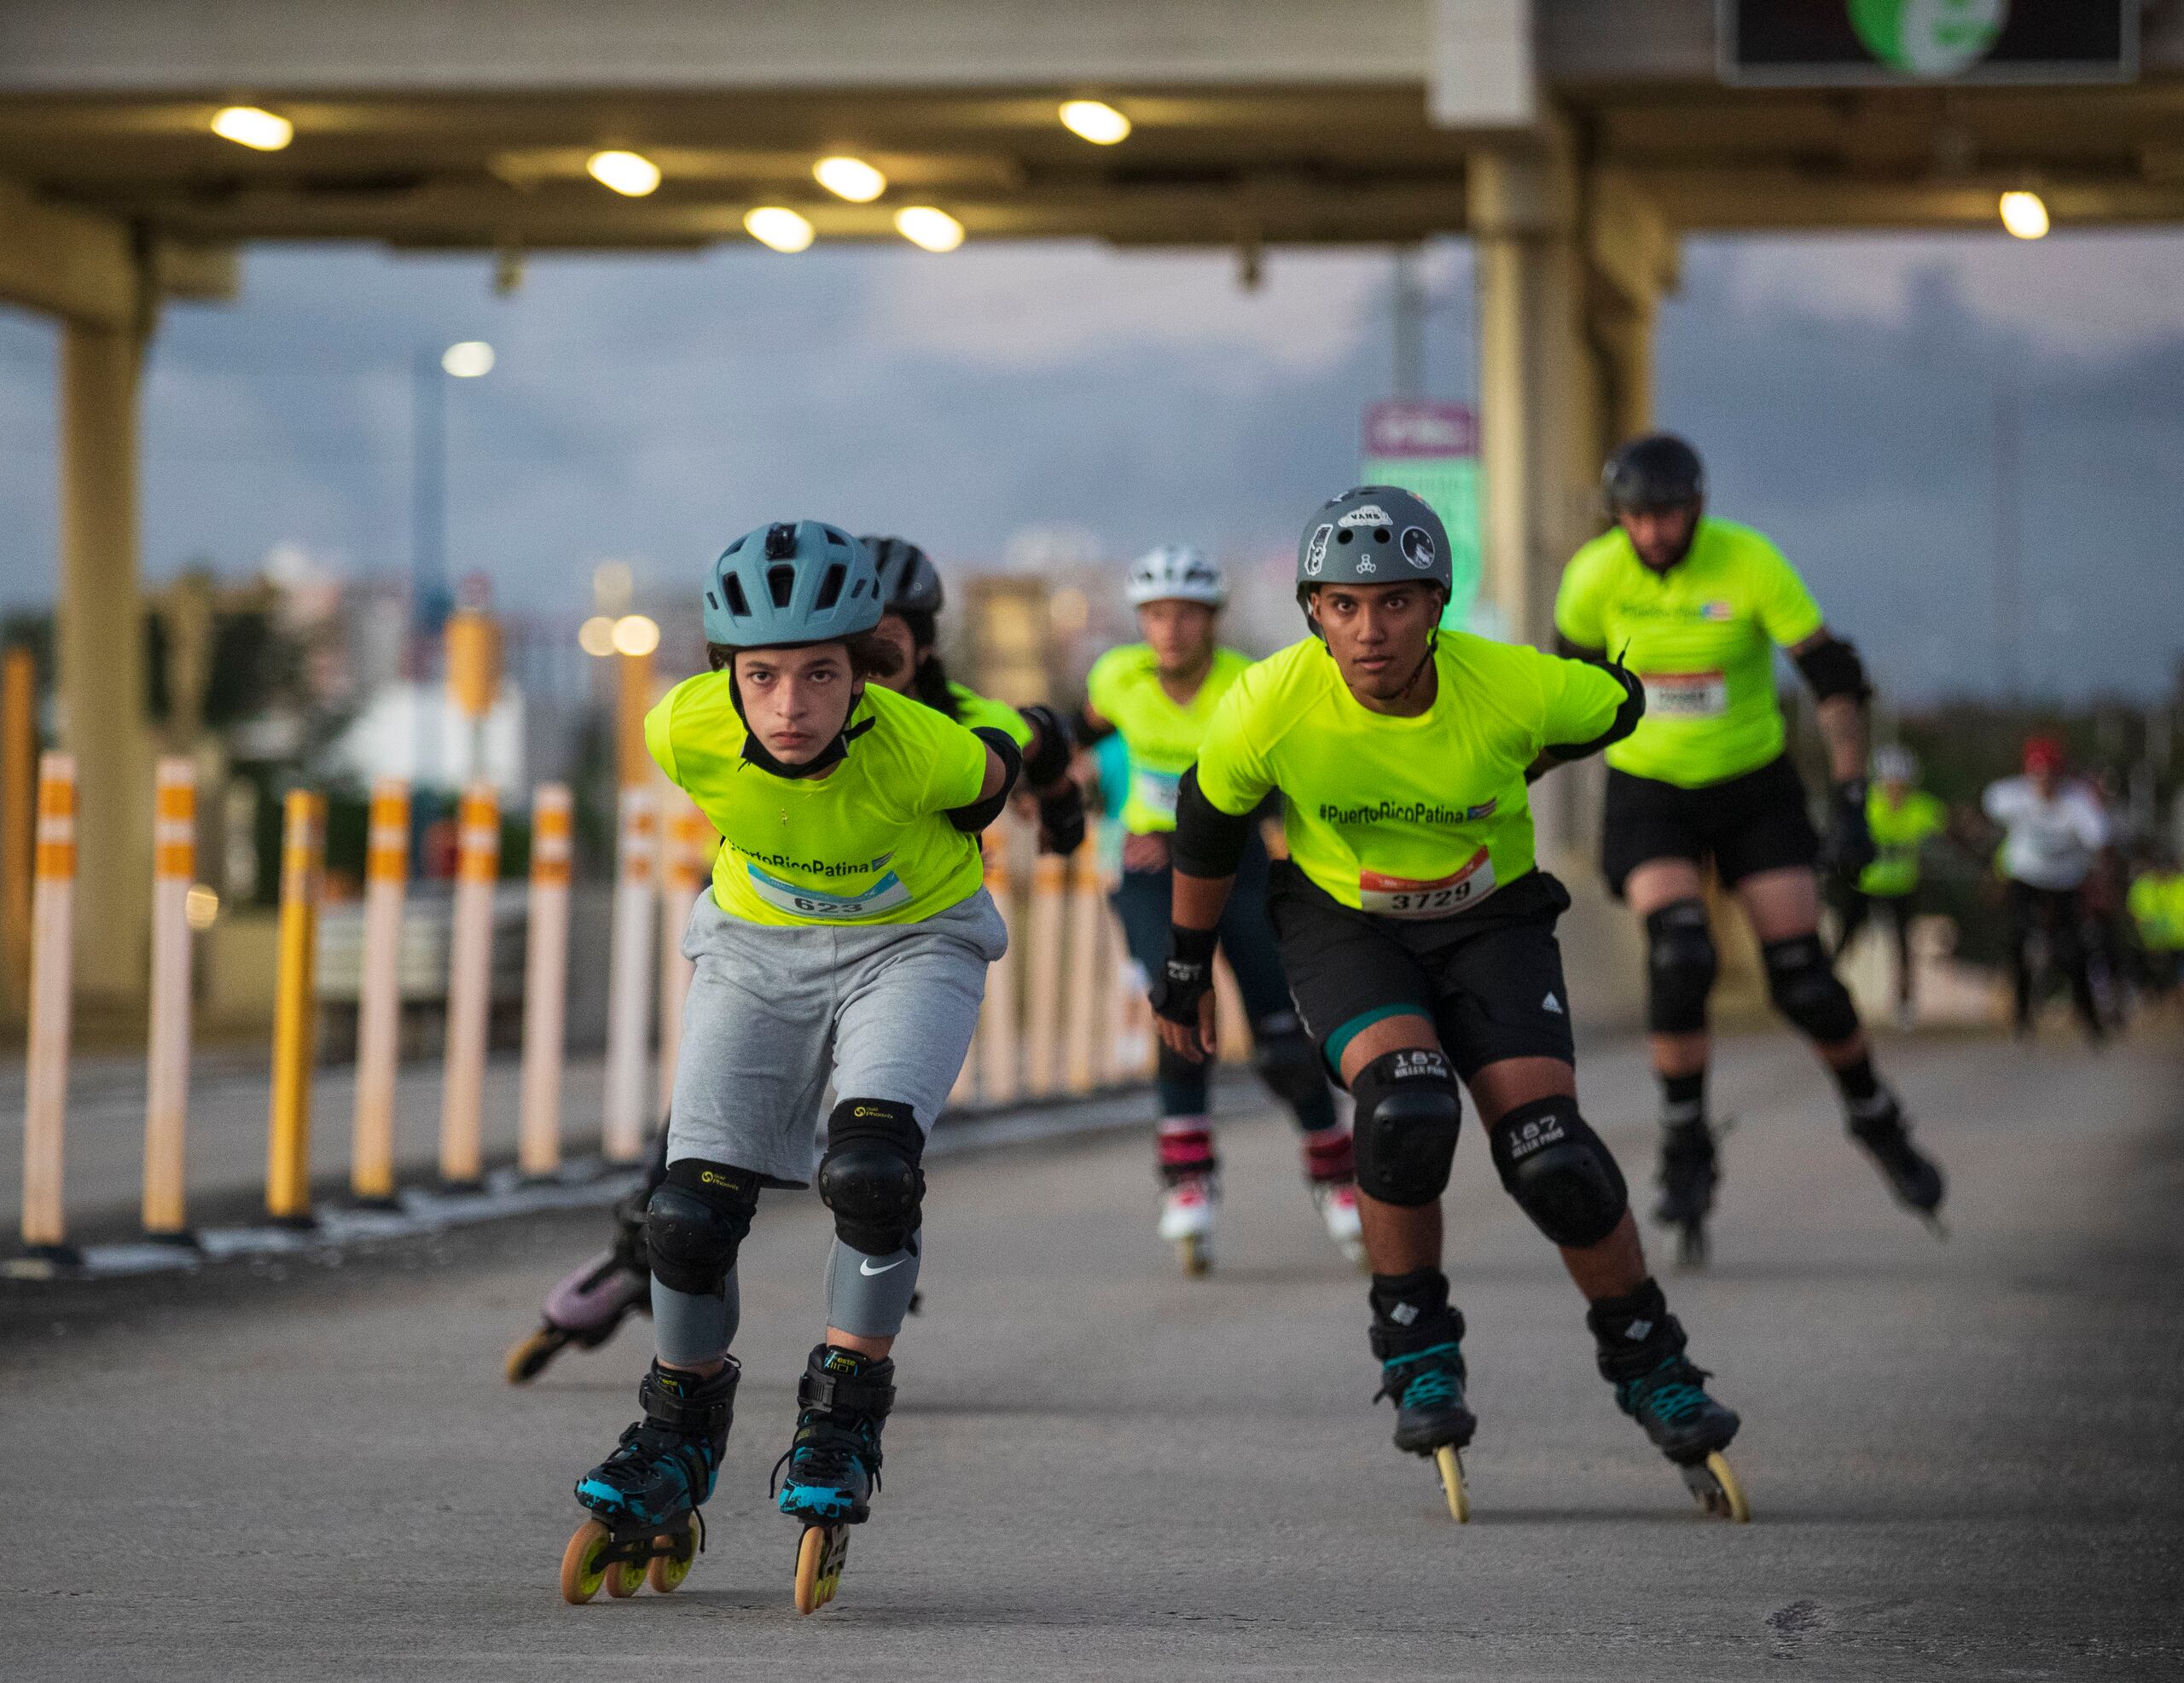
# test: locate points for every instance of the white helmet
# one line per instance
(1176, 572)
(1894, 763)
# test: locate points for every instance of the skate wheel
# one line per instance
(581, 1571)
(672, 1563)
(1714, 1487)
(1196, 1255)
(527, 1357)
(624, 1578)
(1450, 1461)
(820, 1556)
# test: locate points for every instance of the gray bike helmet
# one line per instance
(1372, 535)
(792, 582)
(908, 581)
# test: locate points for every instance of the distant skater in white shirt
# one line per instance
(2055, 831)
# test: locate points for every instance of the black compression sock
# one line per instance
(1683, 1098)
(1859, 1085)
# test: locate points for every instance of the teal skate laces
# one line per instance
(1438, 1382)
(1672, 1392)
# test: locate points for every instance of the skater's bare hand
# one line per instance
(1198, 1043)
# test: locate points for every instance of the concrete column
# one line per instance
(100, 639)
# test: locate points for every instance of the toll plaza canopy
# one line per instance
(143, 142)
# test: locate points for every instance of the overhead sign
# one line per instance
(1432, 450)
(1851, 43)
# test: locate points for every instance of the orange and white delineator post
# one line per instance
(379, 994)
(469, 986)
(683, 861)
(630, 978)
(45, 1231)
(546, 980)
(166, 1064)
(295, 1010)
(1042, 939)
(1086, 1002)
(997, 1043)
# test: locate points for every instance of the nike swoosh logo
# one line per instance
(865, 1266)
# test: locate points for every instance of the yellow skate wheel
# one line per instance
(624, 1578)
(667, 1571)
(1451, 1463)
(527, 1357)
(1196, 1255)
(1728, 1503)
(581, 1572)
(820, 1554)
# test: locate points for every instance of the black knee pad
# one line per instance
(870, 1176)
(1802, 985)
(1561, 1175)
(696, 1222)
(1680, 967)
(1408, 1111)
(1286, 1062)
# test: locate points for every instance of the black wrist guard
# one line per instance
(1061, 820)
(1186, 975)
(1048, 759)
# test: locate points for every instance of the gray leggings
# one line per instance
(883, 1010)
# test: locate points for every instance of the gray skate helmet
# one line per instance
(792, 582)
(1372, 535)
(908, 581)
(1656, 472)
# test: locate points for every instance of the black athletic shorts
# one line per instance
(1490, 978)
(1746, 825)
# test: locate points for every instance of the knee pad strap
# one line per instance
(696, 1222)
(1680, 963)
(1408, 1111)
(1804, 986)
(1560, 1174)
(870, 1176)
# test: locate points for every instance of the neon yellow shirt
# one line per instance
(1416, 817)
(973, 710)
(866, 843)
(1898, 832)
(2157, 903)
(1124, 688)
(1701, 637)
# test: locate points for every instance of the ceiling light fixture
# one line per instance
(849, 179)
(246, 125)
(631, 174)
(779, 227)
(1095, 120)
(2025, 215)
(933, 230)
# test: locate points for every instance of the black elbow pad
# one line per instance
(1208, 842)
(974, 817)
(1570, 651)
(1048, 760)
(1627, 715)
(1832, 668)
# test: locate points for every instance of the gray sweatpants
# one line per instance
(775, 1013)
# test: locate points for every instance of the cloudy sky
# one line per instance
(1844, 391)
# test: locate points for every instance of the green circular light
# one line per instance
(1929, 38)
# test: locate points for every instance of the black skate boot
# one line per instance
(1418, 1336)
(1640, 1353)
(833, 1464)
(1912, 1176)
(646, 1496)
(1690, 1169)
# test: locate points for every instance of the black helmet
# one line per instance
(1372, 535)
(908, 582)
(1658, 471)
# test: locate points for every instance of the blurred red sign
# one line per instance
(1405, 428)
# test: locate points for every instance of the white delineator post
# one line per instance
(998, 1045)
(166, 1064)
(1085, 1002)
(546, 981)
(1042, 1013)
(682, 863)
(469, 986)
(379, 994)
(52, 933)
(629, 978)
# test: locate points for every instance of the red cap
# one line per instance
(2043, 753)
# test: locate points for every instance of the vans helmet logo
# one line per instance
(1372, 515)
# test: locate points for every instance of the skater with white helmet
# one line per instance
(1419, 936)
(844, 940)
(1159, 694)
